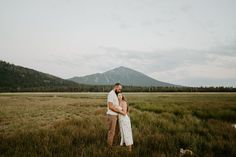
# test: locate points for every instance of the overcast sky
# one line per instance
(186, 42)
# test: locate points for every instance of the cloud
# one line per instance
(185, 8)
(161, 60)
(225, 50)
(194, 73)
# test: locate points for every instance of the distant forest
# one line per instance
(100, 88)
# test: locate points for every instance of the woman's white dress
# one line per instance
(125, 130)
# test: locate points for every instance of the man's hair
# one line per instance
(117, 84)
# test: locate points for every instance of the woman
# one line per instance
(125, 124)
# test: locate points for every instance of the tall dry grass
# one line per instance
(59, 124)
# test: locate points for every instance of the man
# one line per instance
(112, 112)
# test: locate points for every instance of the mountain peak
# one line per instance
(119, 69)
(122, 67)
(122, 74)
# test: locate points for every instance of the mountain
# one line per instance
(14, 77)
(123, 75)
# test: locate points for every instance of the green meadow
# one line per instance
(74, 124)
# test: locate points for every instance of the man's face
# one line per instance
(118, 89)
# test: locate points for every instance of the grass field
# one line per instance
(74, 124)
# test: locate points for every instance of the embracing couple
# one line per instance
(117, 114)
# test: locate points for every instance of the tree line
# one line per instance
(107, 88)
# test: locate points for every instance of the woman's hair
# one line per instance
(124, 99)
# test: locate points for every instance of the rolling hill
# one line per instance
(17, 77)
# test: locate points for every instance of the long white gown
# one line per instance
(125, 130)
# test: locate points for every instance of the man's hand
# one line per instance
(113, 108)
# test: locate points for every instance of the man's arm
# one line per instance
(113, 108)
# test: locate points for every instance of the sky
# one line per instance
(185, 42)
